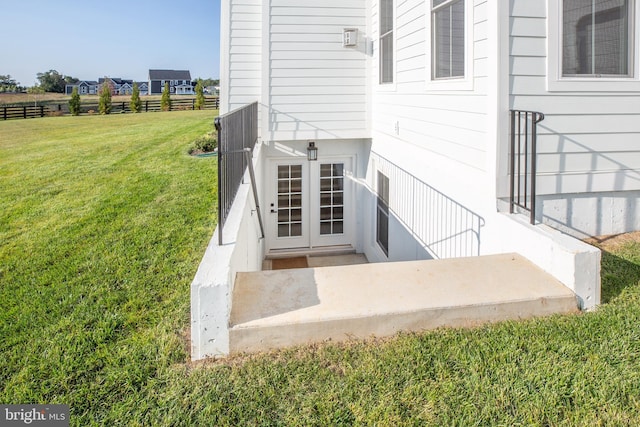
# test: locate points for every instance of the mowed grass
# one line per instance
(103, 222)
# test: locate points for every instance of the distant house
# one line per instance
(179, 82)
(85, 87)
(120, 86)
(143, 87)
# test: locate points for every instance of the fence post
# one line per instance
(42, 111)
(193, 104)
(24, 112)
(5, 113)
(146, 106)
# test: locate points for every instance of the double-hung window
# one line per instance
(386, 41)
(596, 38)
(447, 39)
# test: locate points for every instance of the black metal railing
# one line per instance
(522, 168)
(237, 136)
(439, 223)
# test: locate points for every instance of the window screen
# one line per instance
(595, 37)
(386, 41)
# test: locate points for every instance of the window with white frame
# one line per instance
(597, 38)
(386, 41)
(447, 39)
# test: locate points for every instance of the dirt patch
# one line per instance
(614, 241)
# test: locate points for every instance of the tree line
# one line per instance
(135, 104)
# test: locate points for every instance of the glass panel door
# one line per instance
(288, 223)
(289, 200)
(331, 198)
(332, 216)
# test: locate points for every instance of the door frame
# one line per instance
(311, 205)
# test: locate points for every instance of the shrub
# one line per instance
(135, 104)
(204, 144)
(74, 102)
(165, 101)
(105, 99)
(199, 104)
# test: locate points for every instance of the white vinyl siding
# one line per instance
(241, 58)
(437, 135)
(588, 141)
(317, 89)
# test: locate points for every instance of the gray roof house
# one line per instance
(179, 82)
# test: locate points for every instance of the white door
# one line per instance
(310, 203)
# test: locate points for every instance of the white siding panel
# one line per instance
(241, 56)
(317, 88)
(593, 105)
(323, 99)
(333, 4)
(337, 91)
(318, 12)
(528, 85)
(528, 27)
(447, 127)
(528, 8)
(528, 66)
(319, 72)
(528, 46)
(586, 143)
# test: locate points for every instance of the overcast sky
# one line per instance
(89, 39)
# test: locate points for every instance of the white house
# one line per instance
(408, 103)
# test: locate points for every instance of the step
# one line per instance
(281, 308)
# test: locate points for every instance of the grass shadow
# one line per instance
(618, 274)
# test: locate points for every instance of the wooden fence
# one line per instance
(27, 112)
(23, 112)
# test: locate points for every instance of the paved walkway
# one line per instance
(288, 307)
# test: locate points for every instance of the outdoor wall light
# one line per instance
(312, 151)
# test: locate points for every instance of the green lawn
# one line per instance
(102, 225)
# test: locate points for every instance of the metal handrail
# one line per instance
(237, 136)
(523, 161)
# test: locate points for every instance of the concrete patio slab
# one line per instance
(272, 309)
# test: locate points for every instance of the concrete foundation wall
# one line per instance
(591, 214)
(212, 286)
(573, 262)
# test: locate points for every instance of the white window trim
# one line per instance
(557, 83)
(388, 87)
(454, 83)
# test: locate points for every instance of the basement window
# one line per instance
(382, 213)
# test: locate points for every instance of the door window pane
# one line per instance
(331, 198)
(289, 200)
